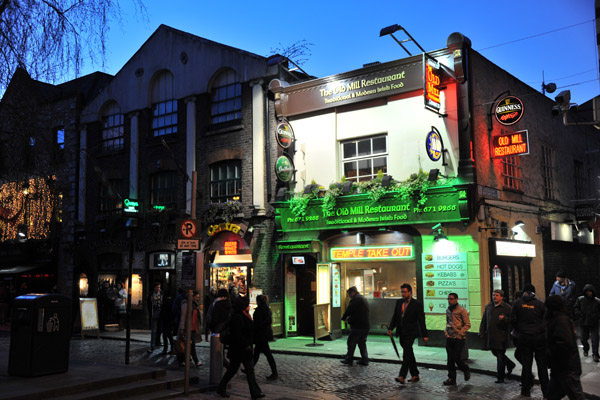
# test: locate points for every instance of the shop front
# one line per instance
(510, 268)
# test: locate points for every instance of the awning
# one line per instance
(238, 260)
(228, 265)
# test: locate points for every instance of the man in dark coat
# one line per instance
(565, 288)
(241, 328)
(263, 333)
(587, 311)
(564, 355)
(527, 317)
(495, 328)
(409, 321)
(357, 314)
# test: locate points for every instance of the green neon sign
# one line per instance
(131, 206)
(159, 208)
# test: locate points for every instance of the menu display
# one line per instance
(444, 274)
(335, 283)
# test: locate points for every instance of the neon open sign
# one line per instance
(401, 252)
(510, 144)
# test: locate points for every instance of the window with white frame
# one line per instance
(512, 173)
(363, 158)
(548, 172)
(113, 129)
(226, 98)
(164, 106)
(226, 181)
(162, 189)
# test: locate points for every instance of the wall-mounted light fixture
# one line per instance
(438, 232)
(519, 223)
(434, 174)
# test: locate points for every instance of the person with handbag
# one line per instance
(194, 327)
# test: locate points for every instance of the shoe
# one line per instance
(150, 351)
(499, 381)
(596, 358)
(223, 393)
(525, 393)
(273, 377)
(509, 370)
(415, 379)
(400, 379)
(361, 362)
(585, 353)
(467, 375)
(347, 362)
(449, 382)
(259, 396)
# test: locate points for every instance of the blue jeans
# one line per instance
(154, 325)
(357, 337)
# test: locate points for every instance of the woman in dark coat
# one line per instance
(263, 333)
(241, 328)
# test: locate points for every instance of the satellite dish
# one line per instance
(550, 88)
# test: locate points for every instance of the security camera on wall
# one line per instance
(563, 100)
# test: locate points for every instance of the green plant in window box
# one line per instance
(299, 204)
(414, 187)
(226, 211)
(330, 198)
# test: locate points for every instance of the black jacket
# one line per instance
(263, 320)
(527, 316)
(242, 337)
(357, 312)
(493, 329)
(561, 338)
(220, 314)
(413, 322)
(587, 309)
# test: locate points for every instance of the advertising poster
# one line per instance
(89, 314)
(444, 274)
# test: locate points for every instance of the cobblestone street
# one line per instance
(308, 373)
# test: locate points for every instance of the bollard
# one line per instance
(216, 359)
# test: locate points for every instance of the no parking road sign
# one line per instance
(187, 234)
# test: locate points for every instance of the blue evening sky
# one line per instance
(345, 34)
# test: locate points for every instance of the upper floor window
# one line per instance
(226, 98)
(548, 172)
(110, 195)
(113, 129)
(512, 173)
(226, 181)
(580, 180)
(164, 107)
(59, 135)
(363, 158)
(162, 189)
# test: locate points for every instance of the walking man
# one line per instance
(409, 321)
(587, 310)
(495, 327)
(527, 316)
(357, 314)
(457, 325)
(565, 288)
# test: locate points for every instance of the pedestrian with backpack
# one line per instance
(241, 328)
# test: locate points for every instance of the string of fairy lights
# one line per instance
(26, 209)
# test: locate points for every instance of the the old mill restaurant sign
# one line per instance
(358, 211)
(378, 81)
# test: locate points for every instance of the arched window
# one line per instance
(226, 98)
(113, 128)
(164, 107)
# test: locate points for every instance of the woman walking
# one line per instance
(195, 328)
(263, 333)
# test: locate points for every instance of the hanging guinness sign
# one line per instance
(509, 110)
(284, 134)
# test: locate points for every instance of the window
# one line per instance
(113, 129)
(580, 181)
(60, 138)
(226, 181)
(548, 173)
(512, 173)
(162, 189)
(226, 99)
(164, 107)
(363, 158)
(110, 195)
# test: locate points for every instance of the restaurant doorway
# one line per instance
(306, 297)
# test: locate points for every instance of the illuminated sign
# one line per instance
(230, 248)
(509, 110)
(284, 168)
(432, 85)
(226, 226)
(399, 252)
(510, 144)
(284, 134)
(159, 208)
(131, 206)
(514, 249)
(434, 145)
(298, 260)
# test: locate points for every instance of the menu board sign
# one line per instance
(88, 310)
(444, 274)
(335, 283)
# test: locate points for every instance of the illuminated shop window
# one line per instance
(363, 158)
(164, 107)
(226, 181)
(226, 98)
(113, 129)
(512, 173)
(548, 172)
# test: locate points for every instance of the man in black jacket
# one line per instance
(409, 321)
(527, 317)
(587, 311)
(357, 314)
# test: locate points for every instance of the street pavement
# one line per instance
(308, 372)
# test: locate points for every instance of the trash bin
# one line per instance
(40, 335)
